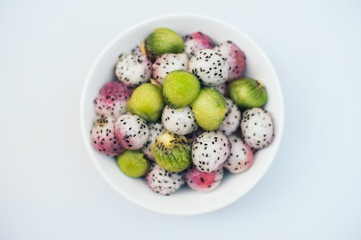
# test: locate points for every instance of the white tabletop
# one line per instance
(49, 188)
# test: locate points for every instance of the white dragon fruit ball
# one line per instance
(241, 157)
(132, 131)
(257, 128)
(232, 118)
(155, 129)
(203, 181)
(168, 63)
(162, 181)
(179, 121)
(210, 150)
(133, 70)
(210, 67)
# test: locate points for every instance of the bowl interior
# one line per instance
(185, 201)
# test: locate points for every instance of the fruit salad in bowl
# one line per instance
(181, 112)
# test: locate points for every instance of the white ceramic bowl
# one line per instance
(185, 201)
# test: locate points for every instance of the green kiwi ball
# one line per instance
(172, 152)
(133, 163)
(209, 109)
(180, 88)
(248, 93)
(146, 102)
(161, 41)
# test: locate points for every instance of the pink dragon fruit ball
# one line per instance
(241, 157)
(235, 58)
(195, 42)
(112, 99)
(103, 138)
(203, 181)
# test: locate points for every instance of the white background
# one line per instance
(49, 188)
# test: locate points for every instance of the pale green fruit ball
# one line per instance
(161, 41)
(146, 102)
(209, 109)
(172, 152)
(180, 88)
(248, 93)
(133, 163)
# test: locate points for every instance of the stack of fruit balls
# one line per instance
(174, 113)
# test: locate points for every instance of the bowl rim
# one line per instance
(85, 131)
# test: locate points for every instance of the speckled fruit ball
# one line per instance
(203, 181)
(132, 131)
(194, 42)
(112, 99)
(232, 118)
(180, 121)
(102, 136)
(133, 70)
(168, 63)
(241, 157)
(210, 150)
(210, 67)
(155, 129)
(235, 58)
(162, 181)
(257, 128)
